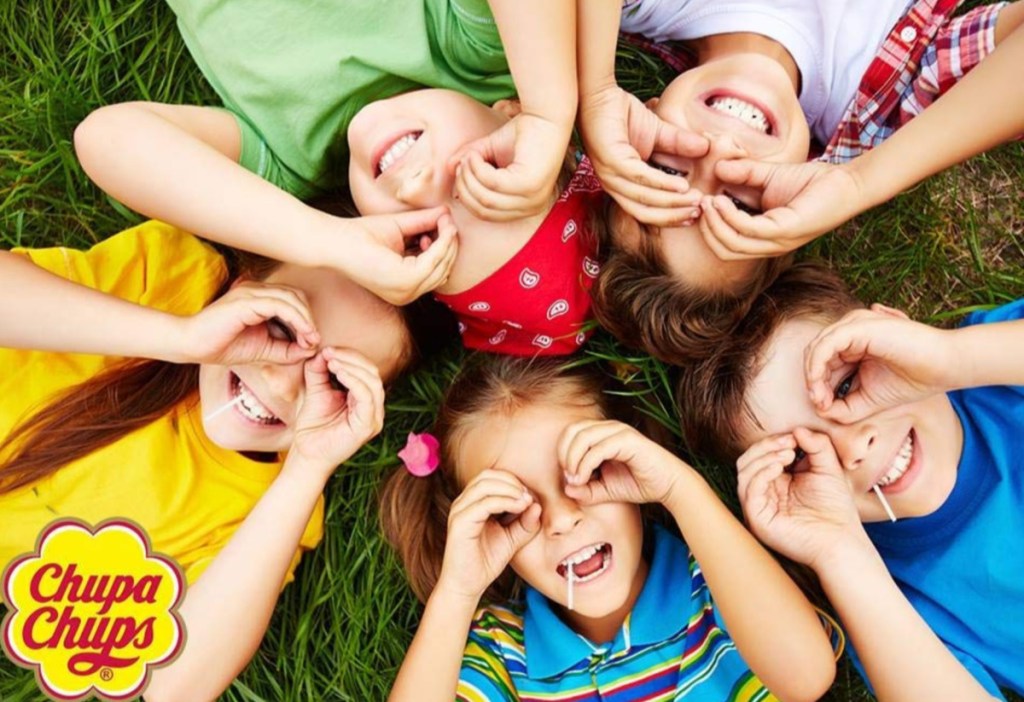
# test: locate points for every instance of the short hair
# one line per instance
(711, 394)
(644, 305)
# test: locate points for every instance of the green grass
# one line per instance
(340, 631)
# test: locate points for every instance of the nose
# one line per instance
(421, 186)
(720, 147)
(283, 381)
(854, 443)
(561, 515)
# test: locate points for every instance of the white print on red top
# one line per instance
(498, 338)
(580, 338)
(570, 229)
(543, 341)
(462, 328)
(591, 267)
(514, 325)
(558, 308)
(479, 307)
(529, 278)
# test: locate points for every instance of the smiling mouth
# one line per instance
(397, 150)
(745, 111)
(249, 406)
(588, 563)
(900, 463)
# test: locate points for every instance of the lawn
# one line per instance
(950, 245)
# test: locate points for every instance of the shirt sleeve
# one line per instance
(484, 676)
(311, 537)
(153, 264)
(1005, 313)
(256, 156)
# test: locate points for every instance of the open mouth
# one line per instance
(588, 563)
(398, 148)
(750, 113)
(901, 463)
(249, 406)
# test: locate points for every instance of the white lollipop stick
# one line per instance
(885, 504)
(221, 410)
(570, 587)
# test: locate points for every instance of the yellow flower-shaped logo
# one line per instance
(91, 610)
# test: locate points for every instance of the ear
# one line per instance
(508, 108)
(890, 311)
(652, 103)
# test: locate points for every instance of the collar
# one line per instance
(661, 611)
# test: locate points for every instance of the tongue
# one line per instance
(591, 565)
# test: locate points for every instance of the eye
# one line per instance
(742, 206)
(505, 518)
(666, 169)
(279, 330)
(799, 459)
(845, 386)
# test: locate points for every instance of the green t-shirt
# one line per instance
(295, 72)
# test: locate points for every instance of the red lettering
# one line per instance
(34, 586)
(50, 614)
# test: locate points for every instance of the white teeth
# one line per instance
(396, 151)
(899, 464)
(741, 110)
(250, 405)
(581, 555)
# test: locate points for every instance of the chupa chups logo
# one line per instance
(92, 610)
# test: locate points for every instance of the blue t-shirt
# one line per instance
(962, 567)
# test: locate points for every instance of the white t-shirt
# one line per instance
(832, 41)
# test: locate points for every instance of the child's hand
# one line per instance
(251, 323)
(801, 202)
(620, 135)
(800, 507)
(394, 257)
(488, 523)
(874, 359)
(608, 461)
(512, 173)
(332, 423)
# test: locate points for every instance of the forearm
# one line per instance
(55, 314)
(539, 37)
(227, 610)
(178, 164)
(597, 25)
(755, 596)
(989, 354)
(431, 667)
(978, 113)
(902, 656)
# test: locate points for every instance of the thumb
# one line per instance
(671, 139)
(316, 375)
(281, 352)
(593, 493)
(418, 221)
(852, 408)
(525, 528)
(481, 146)
(745, 171)
(820, 453)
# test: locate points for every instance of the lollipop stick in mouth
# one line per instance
(570, 574)
(885, 503)
(222, 409)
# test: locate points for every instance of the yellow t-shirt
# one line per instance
(188, 494)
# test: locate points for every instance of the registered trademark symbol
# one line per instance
(106, 674)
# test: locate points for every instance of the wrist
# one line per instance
(853, 550)
(304, 472)
(686, 483)
(169, 340)
(327, 241)
(450, 594)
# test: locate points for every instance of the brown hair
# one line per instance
(414, 511)
(711, 394)
(644, 305)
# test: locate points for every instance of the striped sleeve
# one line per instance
(485, 675)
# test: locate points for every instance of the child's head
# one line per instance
(753, 387)
(508, 414)
(746, 105)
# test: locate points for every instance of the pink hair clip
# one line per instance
(421, 454)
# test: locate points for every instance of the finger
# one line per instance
(743, 171)
(658, 217)
(760, 484)
(752, 240)
(820, 453)
(434, 265)
(681, 142)
(727, 245)
(764, 447)
(498, 474)
(480, 511)
(478, 186)
(526, 527)
(834, 349)
(316, 374)
(785, 456)
(364, 393)
(416, 222)
(264, 305)
(491, 485)
(591, 493)
(581, 438)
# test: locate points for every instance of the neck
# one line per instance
(719, 46)
(602, 630)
